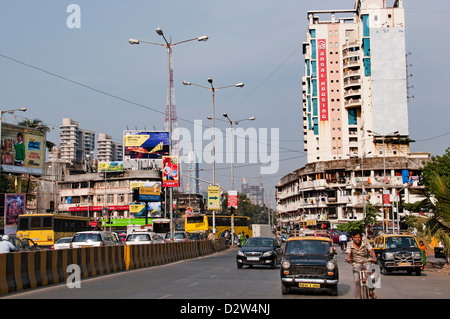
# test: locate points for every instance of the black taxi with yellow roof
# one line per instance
(309, 263)
(398, 252)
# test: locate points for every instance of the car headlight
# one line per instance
(240, 253)
(330, 265)
(267, 254)
(417, 254)
(286, 264)
(388, 256)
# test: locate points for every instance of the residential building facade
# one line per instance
(76, 144)
(355, 118)
(107, 150)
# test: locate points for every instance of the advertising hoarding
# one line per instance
(145, 144)
(152, 189)
(23, 149)
(170, 171)
(14, 206)
(110, 167)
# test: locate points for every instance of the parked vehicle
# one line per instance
(259, 251)
(62, 243)
(94, 239)
(398, 252)
(309, 263)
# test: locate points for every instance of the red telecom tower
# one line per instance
(171, 106)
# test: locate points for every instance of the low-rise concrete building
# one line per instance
(338, 191)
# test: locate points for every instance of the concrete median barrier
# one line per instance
(32, 269)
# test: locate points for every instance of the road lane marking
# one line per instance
(195, 283)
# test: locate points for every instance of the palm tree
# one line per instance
(439, 224)
(38, 124)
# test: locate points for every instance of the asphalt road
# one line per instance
(217, 277)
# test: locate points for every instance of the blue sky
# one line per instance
(257, 42)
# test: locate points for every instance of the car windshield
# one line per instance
(401, 242)
(64, 240)
(259, 242)
(176, 235)
(315, 247)
(139, 237)
(86, 237)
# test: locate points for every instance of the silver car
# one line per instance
(178, 236)
(62, 243)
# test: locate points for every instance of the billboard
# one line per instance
(154, 190)
(23, 149)
(170, 176)
(145, 144)
(14, 206)
(110, 166)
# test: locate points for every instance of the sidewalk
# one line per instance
(437, 265)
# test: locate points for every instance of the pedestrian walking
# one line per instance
(424, 252)
(242, 239)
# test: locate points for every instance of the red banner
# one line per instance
(323, 79)
(232, 199)
(97, 208)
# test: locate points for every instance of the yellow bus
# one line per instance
(202, 223)
(46, 229)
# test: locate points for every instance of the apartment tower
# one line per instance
(108, 150)
(75, 143)
(355, 83)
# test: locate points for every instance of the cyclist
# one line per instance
(361, 254)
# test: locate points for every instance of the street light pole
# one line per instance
(384, 172)
(232, 163)
(169, 46)
(232, 142)
(213, 90)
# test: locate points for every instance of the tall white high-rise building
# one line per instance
(75, 142)
(108, 150)
(355, 121)
(355, 83)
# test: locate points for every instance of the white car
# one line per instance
(141, 238)
(62, 243)
(94, 239)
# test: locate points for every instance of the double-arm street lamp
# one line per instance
(169, 45)
(383, 137)
(213, 90)
(229, 121)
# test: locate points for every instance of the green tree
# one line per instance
(361, 225)
(439, 225)
(439, 165)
